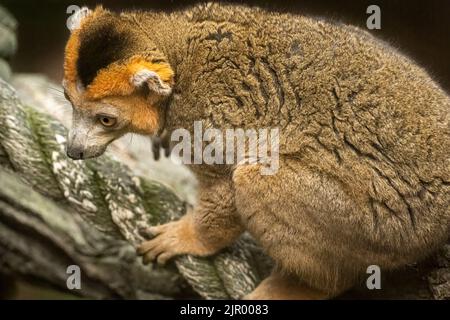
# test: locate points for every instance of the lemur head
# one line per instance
(115, 79)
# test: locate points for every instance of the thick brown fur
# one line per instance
(364, 173)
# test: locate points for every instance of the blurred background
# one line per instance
(420, 29)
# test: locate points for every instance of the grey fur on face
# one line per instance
(88, 138)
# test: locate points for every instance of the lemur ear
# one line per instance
(74, 21)
(152, 80)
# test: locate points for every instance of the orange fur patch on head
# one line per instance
(116, 79)
(71, 57)
(73, 46)
(144, 118)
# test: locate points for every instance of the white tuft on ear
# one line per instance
(74, 21)
(152, 80)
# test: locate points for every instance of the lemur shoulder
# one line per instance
(364, 174)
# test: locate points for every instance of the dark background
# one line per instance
(418, 28)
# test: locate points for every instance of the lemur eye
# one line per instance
(107, 121)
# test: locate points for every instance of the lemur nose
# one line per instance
(75, 153)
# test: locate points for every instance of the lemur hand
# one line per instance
(172, 239)
(161, 142)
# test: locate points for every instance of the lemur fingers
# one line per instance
(171, 239)
(161, 142)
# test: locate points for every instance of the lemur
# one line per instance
(364, 143)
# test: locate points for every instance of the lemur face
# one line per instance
(98, 122)
(113, 86)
